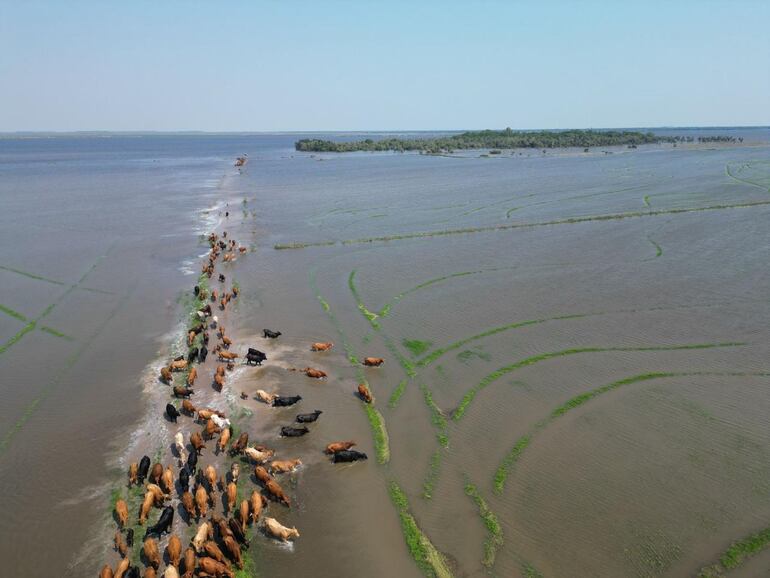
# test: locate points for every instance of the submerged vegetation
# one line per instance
(495, 538)
(737, 554)
(488, 139)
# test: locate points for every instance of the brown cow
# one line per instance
(335, 447)
(120, 544)
(196, 441)
(277, 492)
(178, 365)
(240, 444)
(224, 529)
(234, 550)
(256, 502)
(174, 550)
(262, 475)
(232, 496)
(147, 504)
(188, 504)
(220, 370)
(188, 407)
(321, 346)
(190, 338)
(165, 375)
(158, 495)
(219, 382)
(279, 530)
(122, 568)
(201, 501)
(211, 476)
(151, 552)
(213, 551)
(189, 562)
(133, 474)
(168, 480)
(121, 511)
(180, 391)
(258, 456)
(210, 429)
(227, 355)
(314, 373)
(211, 567)
(214, 295)
(373, 361)
(283, 466)
(151, 573)
(192, 376)
(227, 341)
(243, 514)
(224, 438)
(156, 472)
(364, 392)
(106, 572)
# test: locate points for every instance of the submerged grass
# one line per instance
(492, 228)
(433, 470)
(415, 346)
(495, 375)
(428, 559)
(381, 442)
(12, 313)
(397, 393)
(494, 539)
(370, 316)
(437, 417)
(56, 333)
(658, 249)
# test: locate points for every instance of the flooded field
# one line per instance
(576, 349)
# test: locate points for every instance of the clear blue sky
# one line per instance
(360, 64)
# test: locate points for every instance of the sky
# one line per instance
(292, 65)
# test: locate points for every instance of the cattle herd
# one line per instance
(217, 544)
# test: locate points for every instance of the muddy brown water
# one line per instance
(652, 478)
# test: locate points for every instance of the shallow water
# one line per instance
(652, 478)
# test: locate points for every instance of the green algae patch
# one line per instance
(494, 539)
(415, 346)
(428, 558)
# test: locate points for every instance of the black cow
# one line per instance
(271, 334)
(144, 467)
(133, 572)
(192, 460)
(130, 537)
(196, 289)
(206, 338)
(284, 401)
(289, 431)
(184, 479)
(255, 356)
(192, 355)
(163, 525)
(348, 456)
(204, 350)
(309, 417)
(180, 358)
(221, 278)
(237, 531)
(172, 412)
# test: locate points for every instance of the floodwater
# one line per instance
(600, 385)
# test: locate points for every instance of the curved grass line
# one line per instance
(424, 553)
(737, 554)
(12, 313)
(501, 372)
(397, 393)
(19, 335)
(370, 316)
(493, 228)
(658, 248)
(49, 388)
(646, 200)
(437, 417)
(521, 444)
(729, 173)
(494, 539)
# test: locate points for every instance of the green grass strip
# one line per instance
(437, 417)
(513, 456)
(658, 248)
(370, 316)
(428, 558)
(729, 173)
(494, 539)
(646, 200)
(19, 335)
(397, 393)
(12, 313)
(381, 442)
(415, 346)
(495, 375)
(32, 275)
(492, 228)
(56, 333)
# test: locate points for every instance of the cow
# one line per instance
(211, 477)
(283, 466)
(210, 567)
(192, 376)
(180, 391)
(233, 549)
(277, 492)
(178, 365)
(227, 355)
(196, 441)
(130, 537)
(192, 461)
(268, 334)
(219, 382)
(240, 444)
(192, 355)
(308, 417)
(189, 563)
(123, 567)
(263, 396)
(205, 532)
(280, 531)
(283, 401)
(321, 346)
(258, 456)
(151, 552)
(221, 278)
(314, 373)
(144, 510)
(184, 479)
(179, 447)
(169, 572)
(348, 456)
(290, 431)
(256, 502)
(232, 496)
(188, 503)
(172, 412)
(335, 447)
(255, 357)
(156, 472)
(211, 429)
(107, 572)
(261, 474)
(238, 534)
(133, 472)
(364, 393)
(188, 407)
(121, 513)
(213, 551)
(235, 472)
(203, 352)
(373, 361)
(120, 545)
(201, 501)
(226, 341)
(165, 375)
(224, 437)
(243, 514)
(144, 467)
(167, 480)
(174, 550)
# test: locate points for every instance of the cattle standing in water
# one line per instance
(309, 417)
(163, 525)
(192, 355)
(373, 361)
(364, 393)
(275, 490)
(262, 395)
(203, 352)
(235, 528)
(144, 467)
(348, 456)
(271, 334)
(314, 373)
(284, 466)
(172, 412)
(180, 391)
(196, 441)
(192, 376)
(188, 503)
(255, 357)
(133, 472)
(188, 407)
(284, 401)
(192, 461)
(335, 447)
(293, 432)
(256, 502)
(221, 278)
(280, 531)
(320, 346)
(165, 375)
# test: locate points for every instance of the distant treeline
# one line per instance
(499, 139)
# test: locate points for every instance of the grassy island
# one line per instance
(488, 139)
